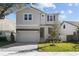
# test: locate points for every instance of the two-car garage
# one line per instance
(28, 36)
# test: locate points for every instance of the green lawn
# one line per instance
(59, 47)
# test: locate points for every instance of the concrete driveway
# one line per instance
(18, 48)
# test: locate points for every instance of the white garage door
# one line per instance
(28, 36)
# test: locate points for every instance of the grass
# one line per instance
(59, 47)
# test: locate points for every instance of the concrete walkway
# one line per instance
(18, 48)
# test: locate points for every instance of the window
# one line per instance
(30, 16)
(27, 16)
(49, 17)
(54, 17)
(64, 26)
(42, 15)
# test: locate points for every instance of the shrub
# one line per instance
(3, 39)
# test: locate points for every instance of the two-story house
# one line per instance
(34, 25)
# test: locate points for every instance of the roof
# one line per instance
(30, 7)
(74, 23)
(36, 9)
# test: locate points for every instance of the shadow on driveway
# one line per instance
(18, 44)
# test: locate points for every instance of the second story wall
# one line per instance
(35, 17)
(49, 18)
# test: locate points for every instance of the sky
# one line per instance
(67, 11)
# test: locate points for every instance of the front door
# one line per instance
(42, 33)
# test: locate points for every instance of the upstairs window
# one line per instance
(27, 16)
(64, 26)
(30, 16)
(42, 15)
(54, 17)
(49, 17)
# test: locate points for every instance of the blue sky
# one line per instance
(68, 11)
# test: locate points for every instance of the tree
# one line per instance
(3, 8)
(55, 31)
(53, 35)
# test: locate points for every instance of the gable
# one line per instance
(35, 16)
(35, 9)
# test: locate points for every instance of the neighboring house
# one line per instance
(68, 28)
(6, 27)
(33, 25)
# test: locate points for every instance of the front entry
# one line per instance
(41, 34)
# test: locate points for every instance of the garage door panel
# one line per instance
(28, 36)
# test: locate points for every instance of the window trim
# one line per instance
(27, 16)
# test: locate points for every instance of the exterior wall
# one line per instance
(43, 19)
(69, 29)
(35, 17)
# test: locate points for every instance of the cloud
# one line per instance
(62, 12)
(43, 5)
(62, 17)
(54, 6)
(70, 11)
(46, 4)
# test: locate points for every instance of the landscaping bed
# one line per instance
(59, 47)
(4, 43)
